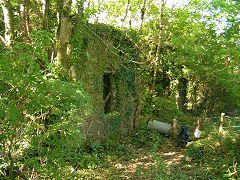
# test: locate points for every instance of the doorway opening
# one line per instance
(107, 92)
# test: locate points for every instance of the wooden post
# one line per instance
(221, 124)
(199, 123)
(174, 128)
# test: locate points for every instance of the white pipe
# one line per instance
(161, 127)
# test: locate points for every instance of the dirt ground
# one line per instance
(142, 164)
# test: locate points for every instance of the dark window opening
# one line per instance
(106, 92)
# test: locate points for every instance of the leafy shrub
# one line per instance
(146, 137)
(41, 113)
(218, 154)
(162, 108)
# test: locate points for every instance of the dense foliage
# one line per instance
(41, 111)
(183, 60)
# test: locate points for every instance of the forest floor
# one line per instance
(141, 165)
(136, 161)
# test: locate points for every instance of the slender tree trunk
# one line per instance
(143, 10)
(64, 34)
(8, 21)
(99, 10)
(24, 20)
(80, 10)
(45, 23)
(126, 12)
(182, 91)
(159, 44)
(195, 100)
(155, 67)
(130, 17)
(45, 10)
(59, 13)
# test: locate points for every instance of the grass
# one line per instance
(147, 155)
(143, 155)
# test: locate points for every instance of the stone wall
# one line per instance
(113, 91)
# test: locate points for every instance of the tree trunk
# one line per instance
(159, 44)
(8, 21)
(195, 100)
(45, 23)
(64, 34)
(80, 10)
(99, 11)
(24, 20)
(182, 90)
(59, 14)
(45, 10)
(126, 12)
(155, 69)
(143, 10)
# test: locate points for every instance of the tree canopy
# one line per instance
(179, 60)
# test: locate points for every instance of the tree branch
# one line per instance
(3, 40)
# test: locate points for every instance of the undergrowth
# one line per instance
(216, 156)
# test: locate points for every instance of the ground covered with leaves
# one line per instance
(136, 158)
(149, 155)
(143, 163)
(144, 154)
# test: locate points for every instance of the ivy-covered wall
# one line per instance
(102, 57)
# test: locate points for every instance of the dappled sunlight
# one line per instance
(143, 162)
(174, 160)
(169, 153)
(119, 89)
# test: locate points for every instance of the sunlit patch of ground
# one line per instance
(172, 158)
(126, 169)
